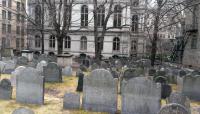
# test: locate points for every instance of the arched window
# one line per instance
(135, 22)
(38, 14)
(52, 41)
(100, 15)
(67, 42)
(83, 43)
(37, 41)
(84, 16)
(116, 44)
(117, 16)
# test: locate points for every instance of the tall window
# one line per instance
(3, 14)
(117, 16)
(18, 6)
(135, 23)
(3, 42)
(194, 42)
(3, 28)
(83, 43)
(4, 3)
(38, 15)
(9, 15)
(37, 41)
(18, 17)
(84, 16)
(52, 41)
(67, 42)
(9, 28)
(116, 44)
(17, 43)
(100, 15)
(22, 43)
(10, 3)
(17, 29)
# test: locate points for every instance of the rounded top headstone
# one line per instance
(5, 83)
(23, 111)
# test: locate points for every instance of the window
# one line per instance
(22, 18)
(22, 42)
(10, 3)
(9, 28)
(3, 28)
(194, 42)
(52, 41)
(18, 17)
(84, 16)
(18, 30)
(117, 16)
(4, 3)
(22, 30)
(18, 6)
(116, 44)
(135, 23)
(9, 15)
(37, 41)
(83, 43)
(3, 14)
(17, 43)
(23, 7)
(67, 42)
(136, 3)
(3, 42)
(100, 15)
(38, 15)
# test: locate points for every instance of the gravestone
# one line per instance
(129, 73)
(100, 92)
(191, 86)
(177, 97)
(166, 90)
(161, 73)
(52, 58)
(141, 96)
(180, 77)
(152, 72)
(30, 83)
(160, 79)
(52, 73)
(9, 67)
(173, 109)
(80, 82)
(36, 55)
(104, 65)
(71, 101)
(2, 66)
(5, 89)
(23, 111)
(86, 63)
(40, 66)
(67, 71)
(83, 68)
(22, 61)
(43, 57)
(16, 73)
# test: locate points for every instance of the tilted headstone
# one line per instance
(100, 92)
(141, 96)
(40, 66)
(80, 82)
(173, 109)
(71, 101)
(23, 111)
(5, 89)
(30, 87)
(67, 71)
(179, 98)
(191, 86)
(52, 73)
(22, 61)
(16, 73)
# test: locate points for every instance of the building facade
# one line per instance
(13, 24)
(125, 38)
(192, 50)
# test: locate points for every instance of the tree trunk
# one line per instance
(60, 45)
(97, 50)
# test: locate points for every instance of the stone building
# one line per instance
(192, 50)
(126, 37)
(12, 24)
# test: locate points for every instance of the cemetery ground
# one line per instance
(54, 93)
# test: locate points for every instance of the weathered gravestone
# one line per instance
(141, 96)
(179, 98)
(52, 73)
(23, 111)
(71, 101)
(22, 61)
(40, 66)
(43, 57)
(9, 67)
(129, 73)
(180, 77)
(80, 82)
(100, 92)
(67, 71)
(30, 87)
(52, 58)
(173, 109)
(191, 86)
(16, 73)
(5, 89)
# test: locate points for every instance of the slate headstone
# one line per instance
(30, 83)
(40, 66)
(23, 111)
(5, 89)
(71, 101)
(80, 82)
(22, 61)
(16, 73)
(100, 92)
(67, 71)
(52, 73)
